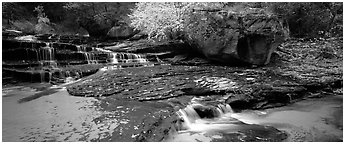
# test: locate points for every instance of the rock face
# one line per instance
(44, 57)
(122, 32)
(96, 27)
(232, 37)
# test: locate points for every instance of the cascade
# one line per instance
(81, 48)
(191, 119)
(42, 74)
(90, 57)
(189, 115)
(46, 56)
(47, 52)
(37, 55)
(223, 109)
(116, 58)
(113, 59)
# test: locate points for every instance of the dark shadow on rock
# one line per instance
(38, 95)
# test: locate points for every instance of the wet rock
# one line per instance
(26, 38)
(44, 28)
(206, 111)
(97, 26)
(272, 96)
(7, 34)
(121, 32)
(253, 133)
(231, 37)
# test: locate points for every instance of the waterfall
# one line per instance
(191, 119)
(223, 109)
(116, 58)
(89, 57)
(46, 56)
(189, 115)
(42, 74)
(47, 52)
(113, 59)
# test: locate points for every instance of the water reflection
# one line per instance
(56, 117)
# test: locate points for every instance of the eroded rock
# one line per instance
(121, 32)
(232, 38)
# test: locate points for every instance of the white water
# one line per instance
(89, 57)
(127, 58)
(193, 122)
(114, 57)
(308, 120)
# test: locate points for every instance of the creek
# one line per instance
(309, 120)
(58, 116)
(129, 97)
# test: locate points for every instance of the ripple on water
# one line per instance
(308, 120)
(55, 117)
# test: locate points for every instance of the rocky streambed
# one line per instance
(158, 92)
(141, 103)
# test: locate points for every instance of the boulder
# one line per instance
(249, 36)
(97, 26)
(44, 28)
(122, 32)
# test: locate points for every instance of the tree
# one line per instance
(98, 18)
(308, 19)
(166, 20)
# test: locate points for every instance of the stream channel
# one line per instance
(58, 116)
(134, 99)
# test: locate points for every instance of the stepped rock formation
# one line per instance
(121, 32)
(230, 37)
(44, 58)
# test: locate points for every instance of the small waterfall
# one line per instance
(128, 58)
(223, 109)
(189, 115)
(89, 57)
(47, 52)
(81, 48)
(45, 56)
(195, 115)
(42, 74)
(37, 55)
(113, 59)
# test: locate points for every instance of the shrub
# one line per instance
(166, 20)
(24, 26)
(309, 19)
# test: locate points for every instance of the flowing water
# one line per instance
(54, 117)
(58, 116)
(308, 120)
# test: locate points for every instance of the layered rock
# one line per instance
(44, 58)
(121, 32)
(96, 27)
(232, 37)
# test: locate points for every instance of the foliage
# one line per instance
(41, 16)
(161, 20)
(165, 20)
(112, 11)
(310, 19)
(24, 26)
(43, 25)
(313, 59)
